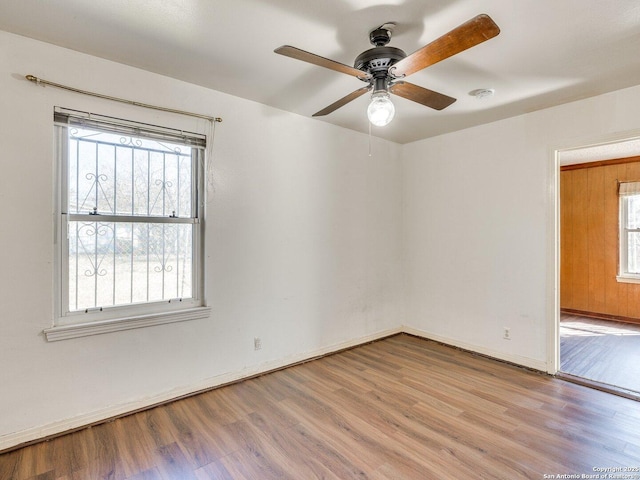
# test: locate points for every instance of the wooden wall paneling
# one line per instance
(589, 241)
(615, 296)
(566, 234)
(579, 242)
(595, 232)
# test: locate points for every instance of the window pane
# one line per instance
(633, 252)
(119, 263)
(121, 175)
(633, 211)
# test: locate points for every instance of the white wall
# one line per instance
(479, 225)
(303, 246)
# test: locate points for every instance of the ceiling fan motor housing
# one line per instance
(377, 61)
(380, 36)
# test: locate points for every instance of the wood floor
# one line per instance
(603, 351)
(400, 408)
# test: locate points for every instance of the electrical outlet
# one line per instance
(507, 333)
(257, 343)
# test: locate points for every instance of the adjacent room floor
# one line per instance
(602, 351)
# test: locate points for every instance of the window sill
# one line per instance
(627, 279)
(65, 332)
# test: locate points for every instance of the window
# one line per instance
(629, 270)
(130, 221)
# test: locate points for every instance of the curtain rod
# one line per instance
(40, 81)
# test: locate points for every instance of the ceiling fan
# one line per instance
(383, 68)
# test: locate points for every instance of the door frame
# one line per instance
(553, 229)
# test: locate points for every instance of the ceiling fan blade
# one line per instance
(471, 33)
(298, 54)
(343, 101)
(429, 98)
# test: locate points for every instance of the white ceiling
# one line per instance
(603, 151)
(549, 52)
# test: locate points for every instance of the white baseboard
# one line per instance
(61, 426)
(516, 359)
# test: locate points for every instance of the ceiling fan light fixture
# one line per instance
(381, 109)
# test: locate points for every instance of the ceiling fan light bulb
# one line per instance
(381, 109)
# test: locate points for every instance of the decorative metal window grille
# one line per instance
(131, 212)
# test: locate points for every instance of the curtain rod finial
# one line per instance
(217, 119)
(34, 79)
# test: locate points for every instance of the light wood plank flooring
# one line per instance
(400, 408)
(603, 351)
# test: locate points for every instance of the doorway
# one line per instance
(599, 322)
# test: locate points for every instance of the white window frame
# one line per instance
(72, 324)
(626, 191)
